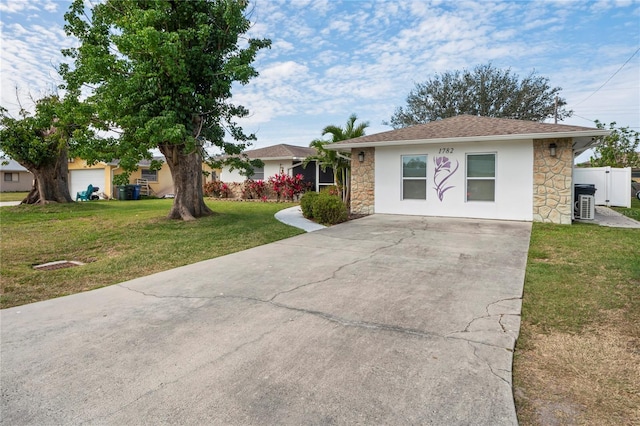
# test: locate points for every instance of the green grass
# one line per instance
(119, 241)
(582, 290)
(12, 196)
(633, 212)
(574, 271)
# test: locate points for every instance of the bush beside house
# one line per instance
(325, 207)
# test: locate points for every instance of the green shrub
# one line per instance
(306, 203)
(329, 209)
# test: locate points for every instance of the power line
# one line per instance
(593, 121)
(609, 79)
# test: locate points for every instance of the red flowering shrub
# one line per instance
(287, 187)
(217, 189)
(255, 189)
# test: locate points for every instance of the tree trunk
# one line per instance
(51, 182)
(186, 171)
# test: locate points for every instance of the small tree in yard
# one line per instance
(160, 73)
(619, 149)
(40, 143)
(339, 162)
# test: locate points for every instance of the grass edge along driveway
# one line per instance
(577, 360)
(119, 241)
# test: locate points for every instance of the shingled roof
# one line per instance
(281, 151)
(469, 128)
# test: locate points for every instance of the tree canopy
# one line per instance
(40, 142)
(486, 91)
(619, 149)
(160, 73)
(340, 163)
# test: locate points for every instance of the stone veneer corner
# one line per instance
(552, 181)
(363, 181)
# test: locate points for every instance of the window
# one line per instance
(481, 177)
(258, 173)
(414, 177)
(11, 177)
(150, 175)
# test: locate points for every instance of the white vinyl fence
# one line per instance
(613, 186)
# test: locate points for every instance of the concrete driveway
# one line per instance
(381, 320)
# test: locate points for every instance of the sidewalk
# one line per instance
(611, 218)
(293, 216)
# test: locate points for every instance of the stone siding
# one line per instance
(363, 181)
(552, 181)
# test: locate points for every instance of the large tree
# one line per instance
(619, 149)
(486, 91)
(340, 163)
(40, 143)
(160, 72)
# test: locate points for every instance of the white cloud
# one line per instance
(289, 70)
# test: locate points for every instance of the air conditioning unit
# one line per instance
(586, 207)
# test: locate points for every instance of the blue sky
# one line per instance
(330, 59)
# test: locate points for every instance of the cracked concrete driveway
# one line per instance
(381, 320)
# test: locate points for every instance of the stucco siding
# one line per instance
(271, 168)
(513, 181)
(17, 181)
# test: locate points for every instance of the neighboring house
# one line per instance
(82, 175)
(15, 178)
(282, 158)
(469, 166)
(154, 182)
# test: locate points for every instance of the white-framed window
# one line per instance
(258, 173)
(481, 177)
(150, 175)
(11, 177)
(414, 177)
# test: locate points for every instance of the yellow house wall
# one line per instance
(80, 164)
(164, 184)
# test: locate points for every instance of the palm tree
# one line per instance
(340, 163)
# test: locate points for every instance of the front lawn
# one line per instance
(577, 360)
(12, 196)
(119, 241)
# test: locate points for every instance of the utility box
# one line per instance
(580, 190)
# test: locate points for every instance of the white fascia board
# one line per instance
(278, 158)
(490, 138)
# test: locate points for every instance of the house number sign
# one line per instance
(445, 151)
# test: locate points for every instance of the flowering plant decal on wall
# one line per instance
(442, 173)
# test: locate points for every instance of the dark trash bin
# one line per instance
(121, 193)
(581, 189)
(136, 192)
(129, 192)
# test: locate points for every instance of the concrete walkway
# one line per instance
(381, 320)
(293, 216)
(608, 217)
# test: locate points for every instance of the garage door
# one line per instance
(79, 180)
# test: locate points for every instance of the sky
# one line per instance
(330, 59)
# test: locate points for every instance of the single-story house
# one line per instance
(15, 178)
(469, 167)
(282, 158)
(154, 182)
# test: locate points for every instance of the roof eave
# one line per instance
(490, 138)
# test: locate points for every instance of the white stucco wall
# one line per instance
(271, 168)
(513, 190)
